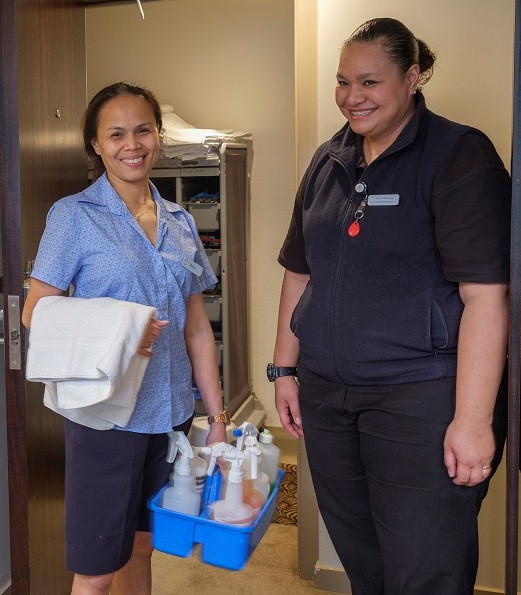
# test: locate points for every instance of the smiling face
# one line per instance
(127, 139)
(373, 94)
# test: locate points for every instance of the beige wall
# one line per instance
(472, 84)
(472, 80)
(221, 64)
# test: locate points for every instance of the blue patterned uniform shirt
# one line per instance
(92, 241)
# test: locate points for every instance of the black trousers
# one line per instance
(109, 477)
(398, 523)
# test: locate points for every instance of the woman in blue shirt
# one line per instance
(120, 239)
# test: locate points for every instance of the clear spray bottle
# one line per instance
(232, 509)
(255, 489)
(182, 496)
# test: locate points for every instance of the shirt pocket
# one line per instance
(179, 253)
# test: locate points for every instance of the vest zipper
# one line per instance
(349, 213)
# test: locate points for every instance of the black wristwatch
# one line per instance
(274, 372)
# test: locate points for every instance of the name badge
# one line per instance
(383, 200)
(193, 267)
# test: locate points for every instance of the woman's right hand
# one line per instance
(287, 404)
(150, 336)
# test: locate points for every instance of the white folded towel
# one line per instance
(86, 353)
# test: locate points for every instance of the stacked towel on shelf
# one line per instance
(185, 142)
(85, 351)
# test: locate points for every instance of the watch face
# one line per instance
(271, 372)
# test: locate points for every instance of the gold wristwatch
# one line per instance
(223, 417)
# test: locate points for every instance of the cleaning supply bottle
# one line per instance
(214, 488)
(251, 494)
(270, 455)
(243, 431)
(251, 468)
(232, 509)
(199, 469)
(182, 496)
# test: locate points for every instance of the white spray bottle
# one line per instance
(198, 465)
(199, 468)
(254, 478)
(214, 452)
(255, 490)
(243, 431)
(182, 496)
(232, 509)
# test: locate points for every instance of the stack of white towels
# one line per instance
(85, 351)
(185, 142)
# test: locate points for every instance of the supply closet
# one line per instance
(217, 196)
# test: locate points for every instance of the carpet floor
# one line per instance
(286, 512)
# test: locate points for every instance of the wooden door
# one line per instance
(42, 97)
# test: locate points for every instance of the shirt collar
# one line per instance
(345, 143)
(102, 193)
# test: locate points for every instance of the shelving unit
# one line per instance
(223, 227)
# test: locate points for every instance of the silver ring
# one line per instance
(486, 467)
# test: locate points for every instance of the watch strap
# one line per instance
(275, 372)
(223, 417)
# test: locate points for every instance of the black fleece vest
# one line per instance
(377, 309)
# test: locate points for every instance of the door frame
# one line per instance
(514, 347)
(12, 286)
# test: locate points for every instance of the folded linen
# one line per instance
(86, 353)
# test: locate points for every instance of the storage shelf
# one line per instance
(223, 227)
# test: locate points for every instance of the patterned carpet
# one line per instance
(286, 512)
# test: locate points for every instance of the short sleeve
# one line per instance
(57, 260)
(471, 208)
(292, 255)
(207, 279)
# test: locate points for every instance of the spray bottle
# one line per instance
(243, 431)
(182, 496)
(256, 490)
(199, 468)
(198, 465)
(247, 440)
(216, 489)
(270, 455)
(232, 509)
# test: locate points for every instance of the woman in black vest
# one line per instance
(394, 305)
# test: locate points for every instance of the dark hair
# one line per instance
(91, 115)
(403, 48)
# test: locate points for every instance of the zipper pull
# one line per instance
(354, 229)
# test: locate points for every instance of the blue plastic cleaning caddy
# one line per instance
(222, 545)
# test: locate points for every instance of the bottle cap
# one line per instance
(266, 436)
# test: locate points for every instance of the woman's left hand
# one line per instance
(469, 448)
(150, 336)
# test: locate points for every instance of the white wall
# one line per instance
(221, 64)
(472, 83)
